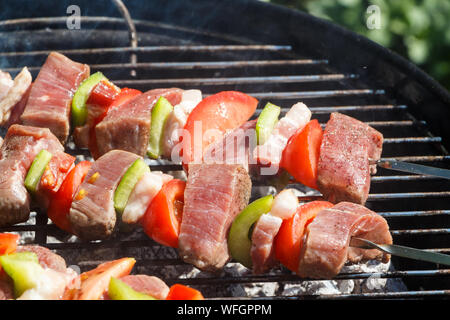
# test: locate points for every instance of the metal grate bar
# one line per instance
(315, 94)
(236, 80)
(197, 65)
(148, 49)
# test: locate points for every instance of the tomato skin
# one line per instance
(181, 292)
(162, 220)
(217, 114)
(289, 239)
(8, 243)
(125, 95)
(106, 96)
(92, 285)
(59, 207)
(301, 154)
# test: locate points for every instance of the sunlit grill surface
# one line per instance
(416, 207)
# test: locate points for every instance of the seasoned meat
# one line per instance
(214, 195)
(127, 127)
(51, 95)
(47, 258)
(20, 88)
(271, 151)
(343, 172)
(326, 248)
(21, 145)
(262, 251)
(92, 214)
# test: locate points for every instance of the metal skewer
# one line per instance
(402, 251)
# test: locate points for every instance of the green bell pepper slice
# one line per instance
(36, 170)
(119, 290)
(23, 268)
(79, 110)
(160, 113)
(266, 122)
(239, 242)
(127, 183)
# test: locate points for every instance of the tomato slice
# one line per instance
(125, 95)
(301, 154)
(162, 219)
(59, 207)
(91, 285)
(181, 292)
(103, 94)
(289, 239)
(8, 243)
(211, 118)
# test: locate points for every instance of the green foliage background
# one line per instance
(416, 29)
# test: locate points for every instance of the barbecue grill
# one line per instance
(274, 54)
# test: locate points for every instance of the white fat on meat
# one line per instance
(177, 119)
(50, 285)
(295, 119)
(6, 83)
(143, 193)
(284, 204)
(21, 84)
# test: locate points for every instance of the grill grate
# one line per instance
(416, 207)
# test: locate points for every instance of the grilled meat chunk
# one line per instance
(262, 251)
(235, 147)
(326, 248)
(214, 195)
(21, 145)
(22, 83)
(92, 214)
(127, 127)
(343, 169)
(51, 94)
(47, 258)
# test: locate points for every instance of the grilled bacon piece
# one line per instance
(214, 195)
(343, 172)
(51, 94)
(326, 248)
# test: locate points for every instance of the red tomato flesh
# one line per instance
(289, 239)
(212, 118)
(162, 219)
(301, 155)
(58, 210)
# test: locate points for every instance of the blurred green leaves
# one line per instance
(416, 29)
